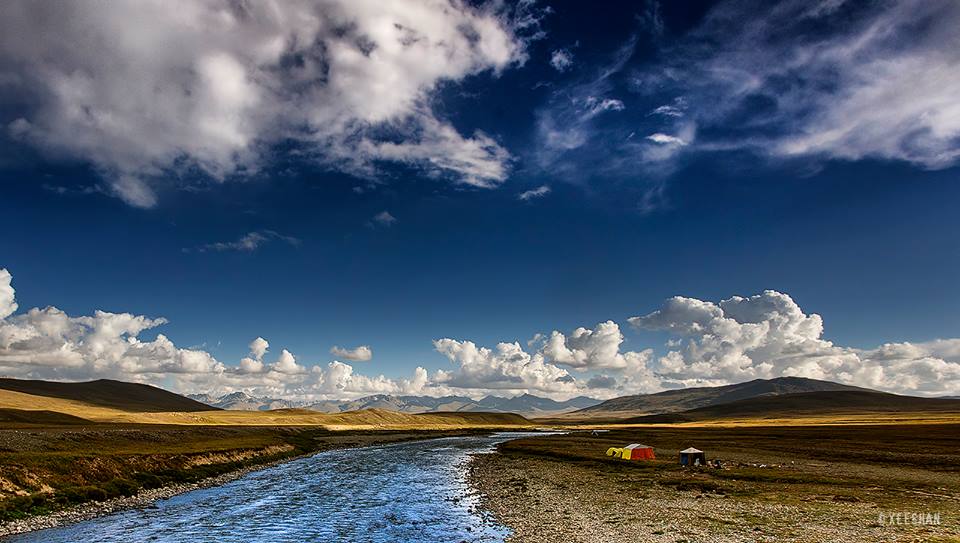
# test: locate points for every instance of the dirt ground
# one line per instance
(778, 484)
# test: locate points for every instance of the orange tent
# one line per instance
(637, 451)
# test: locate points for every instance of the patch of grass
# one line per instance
(696, 485)
(782, 477)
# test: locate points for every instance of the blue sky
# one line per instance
(565, 165)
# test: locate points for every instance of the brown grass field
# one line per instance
(778, 483)
(21, 405)
(775, 419)
(787, 476)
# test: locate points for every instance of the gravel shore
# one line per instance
(544, 499)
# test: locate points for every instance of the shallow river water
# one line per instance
(413, 492)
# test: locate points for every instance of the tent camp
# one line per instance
(692, 457)
(633, 451)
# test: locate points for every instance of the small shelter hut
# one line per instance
(692, 457)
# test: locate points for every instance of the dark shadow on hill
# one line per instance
(673, 401)
(835, 402)
(108, 393)
(23, 416)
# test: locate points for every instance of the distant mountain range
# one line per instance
(241, 401)
(25, 401)
(671, 401)
(526, 404)
(674, 401)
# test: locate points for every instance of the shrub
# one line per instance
(148, 480)
(120, 487)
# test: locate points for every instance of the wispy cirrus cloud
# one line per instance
(561, 60)
(533, 194)
(807, 81)
(816, 80)
(248, 242)
(570, 124)
(383, 219)
(666, 139)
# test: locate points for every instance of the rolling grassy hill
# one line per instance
(132, 397)
(673, 401)
(76, 403)
(806, 404)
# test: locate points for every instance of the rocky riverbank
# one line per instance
(555, 489)
(147, 497)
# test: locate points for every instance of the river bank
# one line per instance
(216, 466)
(415, 492)
(144, 498)
(777, 484)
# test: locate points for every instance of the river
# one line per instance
(412, 492)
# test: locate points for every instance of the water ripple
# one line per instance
(414, 492)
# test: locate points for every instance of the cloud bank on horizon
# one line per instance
(741, 338)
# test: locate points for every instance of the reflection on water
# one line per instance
(405, 492)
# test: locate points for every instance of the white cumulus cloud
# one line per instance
(8, 303)
(547, 370)
(762, 336)
(596, 348)
(768, 335)
(143, 89)
(362, 353)
(507, 367)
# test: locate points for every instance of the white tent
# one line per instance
(692, 457)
